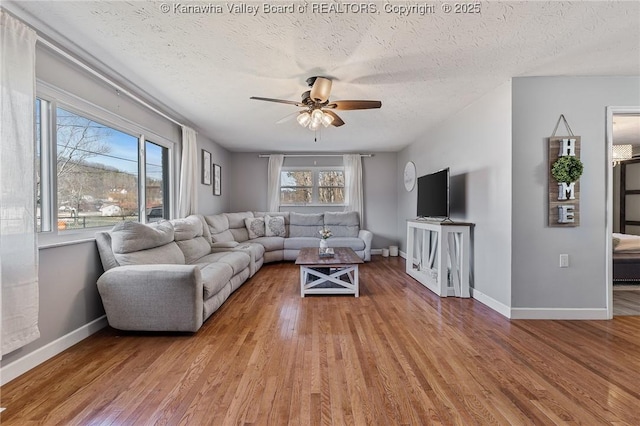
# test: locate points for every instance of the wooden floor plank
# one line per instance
(396, 355)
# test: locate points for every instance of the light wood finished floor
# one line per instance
(626, 300)
(397, 355)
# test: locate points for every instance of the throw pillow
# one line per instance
(274, 226)
(255, 226)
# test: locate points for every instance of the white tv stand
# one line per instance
(439, 254)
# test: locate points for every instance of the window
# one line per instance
(312, 186)
(95, 169)
(96, 172)
(157, 184)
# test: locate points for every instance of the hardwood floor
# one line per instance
(397, 355)
(626, 300)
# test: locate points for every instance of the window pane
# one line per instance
(97, 170)
(156, 181)
(295, 195)
(331, 178)
(38, 166)
(331, 195)
(296, 178)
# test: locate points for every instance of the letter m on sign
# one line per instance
(566, 191)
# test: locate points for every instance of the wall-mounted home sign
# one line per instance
(565, 169)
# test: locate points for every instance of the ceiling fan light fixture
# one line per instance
(314, 125)
(316, 115)
(304, 118)
(326, 120)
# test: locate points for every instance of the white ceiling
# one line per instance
(626, 129)
(204, 67)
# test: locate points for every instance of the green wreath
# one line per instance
(567, 169)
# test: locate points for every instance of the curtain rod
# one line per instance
(312, 155)
(107, 80)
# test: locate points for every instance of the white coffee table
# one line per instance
(328, 275)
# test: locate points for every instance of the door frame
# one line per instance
(610, 112)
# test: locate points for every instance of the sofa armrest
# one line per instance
(153, 297)
(366, 236)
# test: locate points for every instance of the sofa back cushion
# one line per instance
(219, 228)
(237, 227)
(342, 224)
(189, 236)
(135, 243)
(305, 225)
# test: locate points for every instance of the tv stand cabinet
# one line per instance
(439, 254)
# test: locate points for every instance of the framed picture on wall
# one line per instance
(206, 167)
(217, 179)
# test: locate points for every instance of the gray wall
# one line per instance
(207, 202)
(537, 281)
(249, 187)
(68, 294)
(475, 144)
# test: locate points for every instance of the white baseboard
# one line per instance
(402, 254)
(560, 313)
(20, 366)
(376, 252)
(492, 303)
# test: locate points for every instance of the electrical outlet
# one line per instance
(564, 260)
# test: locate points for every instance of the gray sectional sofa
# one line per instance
(163, 276)
(172, 275)
(230, 231)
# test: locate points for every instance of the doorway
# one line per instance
(623, 211)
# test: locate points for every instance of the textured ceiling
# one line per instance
(205, 66)
(626, 129)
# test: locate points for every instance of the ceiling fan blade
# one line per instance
(350, 105)
(281, 101)
(337, 121)
(321, 89)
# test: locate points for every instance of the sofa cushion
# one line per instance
(237, 260)
(166, 254)
(270, 243)
(189, 237)
(215, 276)
(342, 224)
(255, 227)
(305, 225)
(296, 243)
(237, 226)
(127, 237)
(219, 228)
(274, 226)
(225, 244)
(187, 228)
(194, 249)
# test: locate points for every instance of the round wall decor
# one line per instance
(409, 176)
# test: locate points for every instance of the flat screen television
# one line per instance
(433, 195)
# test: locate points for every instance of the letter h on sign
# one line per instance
(567, 147)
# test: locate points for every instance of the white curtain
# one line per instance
(188, 197)
(354, 193)
(273, 181)
(18, 246)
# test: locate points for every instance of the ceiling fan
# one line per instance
(318, 110)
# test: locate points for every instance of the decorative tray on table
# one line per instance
(326, 252)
